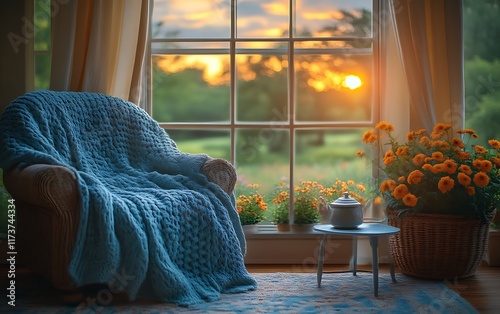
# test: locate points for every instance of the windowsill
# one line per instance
(267, 245)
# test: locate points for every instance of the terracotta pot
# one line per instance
(283, 227)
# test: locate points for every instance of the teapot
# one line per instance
(346, 213)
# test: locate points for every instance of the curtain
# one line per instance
(429, 40)
(100, 46)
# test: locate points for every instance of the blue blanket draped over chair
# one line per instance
(147, 213)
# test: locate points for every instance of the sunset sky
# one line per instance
(256, 18)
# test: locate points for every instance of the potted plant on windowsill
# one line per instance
(279, 212)
(441, 191)
(251, 207)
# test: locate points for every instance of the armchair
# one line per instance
(96, 181)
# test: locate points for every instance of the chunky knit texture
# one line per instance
(150, 223)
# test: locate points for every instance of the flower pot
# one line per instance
(302, 228)
(250, 228)
(283, 227)
(438, 246)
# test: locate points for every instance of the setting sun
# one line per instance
(352, 82)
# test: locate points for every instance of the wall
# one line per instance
(12, 57)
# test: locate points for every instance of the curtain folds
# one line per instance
(429, 38)
(99, 46)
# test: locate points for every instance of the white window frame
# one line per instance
(291, 126)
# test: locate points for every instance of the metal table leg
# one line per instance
(321, 258)
(374, 245)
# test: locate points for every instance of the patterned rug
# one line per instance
(277, 293)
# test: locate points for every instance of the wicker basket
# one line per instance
(438, 246)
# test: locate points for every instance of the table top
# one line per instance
(365, 229)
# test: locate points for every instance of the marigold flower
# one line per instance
(485, 165)
(410, 200)
(480, 149)
(494, 144)
(481, 179)
(389, 157)
(445, 184)
(450, 166)
(427, 167)
(402, 151)
(415, 177)
(496, 161)
(470, 190)
(369, 137)
(360, 187)
(387, 185)
(438, 156)
(401, 179)
(464, 155)
(437, 168)
(456, 142)
(385, 126)
(465, 169)
(425, 141)
(419, 159)
(400, 191)
(360, 153)
(463, 179)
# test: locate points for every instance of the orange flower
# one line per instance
(464, 155)
(388, 185)
(386, 126)
(389, 157)
(401, 179)
(445, 184)
(480, 149)
(463, 179)
(496, 161)
(457, 143)
(438, 156)
(419, 159)
(360, 153)
(470, 190)
(425, 141)
(481, 179)
(427, 167)
(415, 177)
(400, 191)
(443, 145)
(369, 137)
(485, 165)
(494, 144)
(410, 200)
(465, 169)
(437, 168)
(450, 166)
(402, 151)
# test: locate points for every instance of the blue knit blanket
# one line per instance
(151, 224)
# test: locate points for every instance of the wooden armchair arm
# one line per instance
(46, 186)
(221, 172)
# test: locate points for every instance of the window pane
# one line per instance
(42, 25)
(262, 18)
(329, 18)
(214, 143)
(333, 87)
(327, 155)
(191, 19)
(262, 88)
(262, 157)
(190, 88)
(42, 71)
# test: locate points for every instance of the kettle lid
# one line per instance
(345, 200)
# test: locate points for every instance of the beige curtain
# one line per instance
(429, 38)
(99, 46)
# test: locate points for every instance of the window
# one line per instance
(40, 44)
(284, 89)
